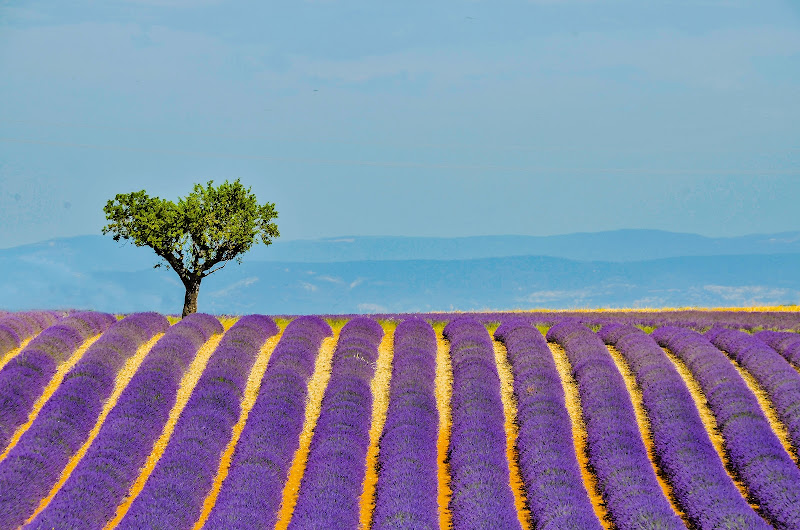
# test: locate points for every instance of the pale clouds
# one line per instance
(232, 288)
(330, 279)
(753, 295)
(545, 296)
(310, 287)
(719, 59)
(120, 54)
(175, 3)
(115, 55)
(372, 308)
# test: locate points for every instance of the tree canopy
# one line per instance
(197, 236)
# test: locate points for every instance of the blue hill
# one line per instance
(95, 272)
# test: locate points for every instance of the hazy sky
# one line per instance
(438, 118)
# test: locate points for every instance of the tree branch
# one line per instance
(215, 270)
(175, 264)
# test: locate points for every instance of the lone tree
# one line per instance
(204, 230)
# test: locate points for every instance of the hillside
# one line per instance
(96, 252)
(95, 272)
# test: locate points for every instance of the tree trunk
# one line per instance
(190, 300)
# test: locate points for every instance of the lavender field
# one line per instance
(606, 419)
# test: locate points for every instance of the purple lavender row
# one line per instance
(23, 379)
(756, 454)
(705, 492)
(786, 343)
(251, 493)
(331, 487)
(34, 465)
(16, 327)
(101, 480)
(406, 492)
(174, 493)
(697, 319)
(617, 453)
(482, 496)
(774, 373)
(548, 465)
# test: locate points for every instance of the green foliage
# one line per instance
(491, 327)
(388, 323)
(282, 322)
(209, 227)
(335, 323)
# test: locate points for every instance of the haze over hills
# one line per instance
(626, 268)
(618, 246)
(95, 251)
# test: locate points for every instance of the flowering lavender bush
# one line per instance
(547, 460)
(16, 327)
(251, 493)
(774, 373)
(61, 427)
(23, 379)
(330, 489)
(784, 342)
(482, 497)
(99, 483)
(697, 319)
(405, 495)
(683, 449)
(616, 450)
(406, 490)
(612, 332)
(174, 493)
(755, 452)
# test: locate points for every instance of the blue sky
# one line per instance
(406, 118)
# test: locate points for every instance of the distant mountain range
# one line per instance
(625, 268)
(615, 246)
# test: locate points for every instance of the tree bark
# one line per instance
(190, 299)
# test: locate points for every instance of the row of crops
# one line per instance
(403, 422)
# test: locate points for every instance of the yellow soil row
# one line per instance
(49, 390)
(10, 354)
(573, 402)
(706, 415)
(380, 404)
(250, 394)
(635, 393)
(778, 427)
(188, 382)
(510, 425)
(444, 393)
(123, 378)
(316, 389)
(708, 419)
